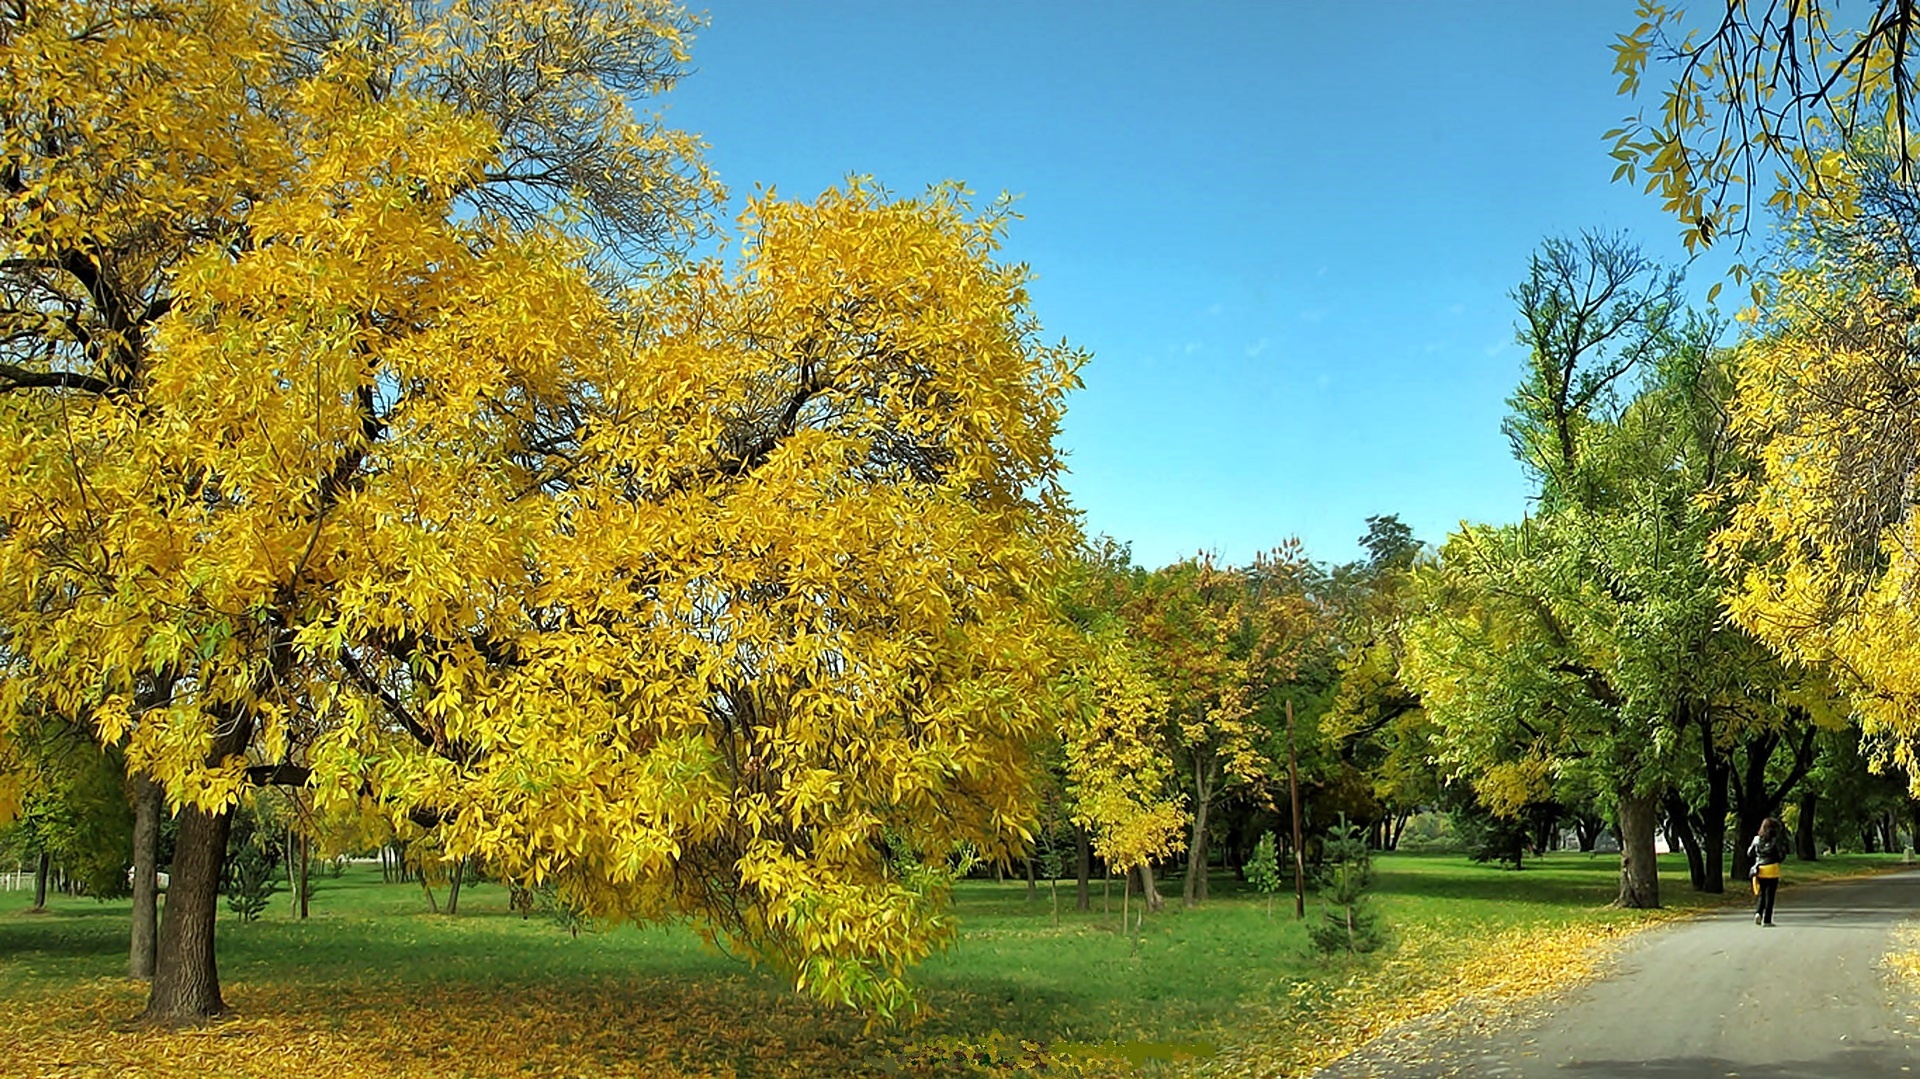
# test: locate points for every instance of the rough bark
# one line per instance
(1639, 871)
(186, 981)
(1711, 827)
(147, 804)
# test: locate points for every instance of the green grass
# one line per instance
(1219, 974)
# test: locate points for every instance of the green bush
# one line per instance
(1263, 869)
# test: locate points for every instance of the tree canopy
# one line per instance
(336, 453)
(1754, 87)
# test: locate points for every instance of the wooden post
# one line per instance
(1299, 856)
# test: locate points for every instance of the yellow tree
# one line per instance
(1118, 776)
(715, 593)
(1823, 544)
(1759, 101)
(138, 138)
(1219, 641)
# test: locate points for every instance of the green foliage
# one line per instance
(1429, 832)
(251, 881)
(1485, 837)
(1263, 869)
(1389, 543)
(1348, 923)
(75, 808)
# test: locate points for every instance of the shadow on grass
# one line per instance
(1550, 887)
(86, 934)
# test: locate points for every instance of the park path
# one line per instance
(1706, 998)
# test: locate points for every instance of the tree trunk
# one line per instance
(1712, 830)
(147, 805)
(1033, 882)
(1195, 890)
(1196, 887)
(1150, 891)
(1543, 829)
(1587, 829)
(1680, 828)
(1754, 800)
(42, 875)
(453, 890)
(306, 873)
(1639, 870)
(1083, 869)
(1710, 824)
(1806, 844)
(186, 983)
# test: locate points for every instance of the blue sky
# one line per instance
(1286, 231)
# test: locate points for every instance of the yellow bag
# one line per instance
(1756, 886)
(1770, 871)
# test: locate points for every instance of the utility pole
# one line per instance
(1299, 856)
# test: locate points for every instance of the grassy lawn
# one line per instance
(374, 983)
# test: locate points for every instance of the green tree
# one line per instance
(1348, 922)
(1226, 644)
(75, 816)
(1374, 718)
(1510, 654)
(1263, 869)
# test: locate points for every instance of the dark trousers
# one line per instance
(1763, 907)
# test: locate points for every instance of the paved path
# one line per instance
(1707, 998)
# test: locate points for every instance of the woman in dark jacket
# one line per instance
(1766, 852)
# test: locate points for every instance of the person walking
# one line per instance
(1765, 853)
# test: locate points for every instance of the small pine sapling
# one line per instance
(1052, 863)
(1263, 869)
(1347, 923)
(252, 883)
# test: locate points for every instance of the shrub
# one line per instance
(1347, 923)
